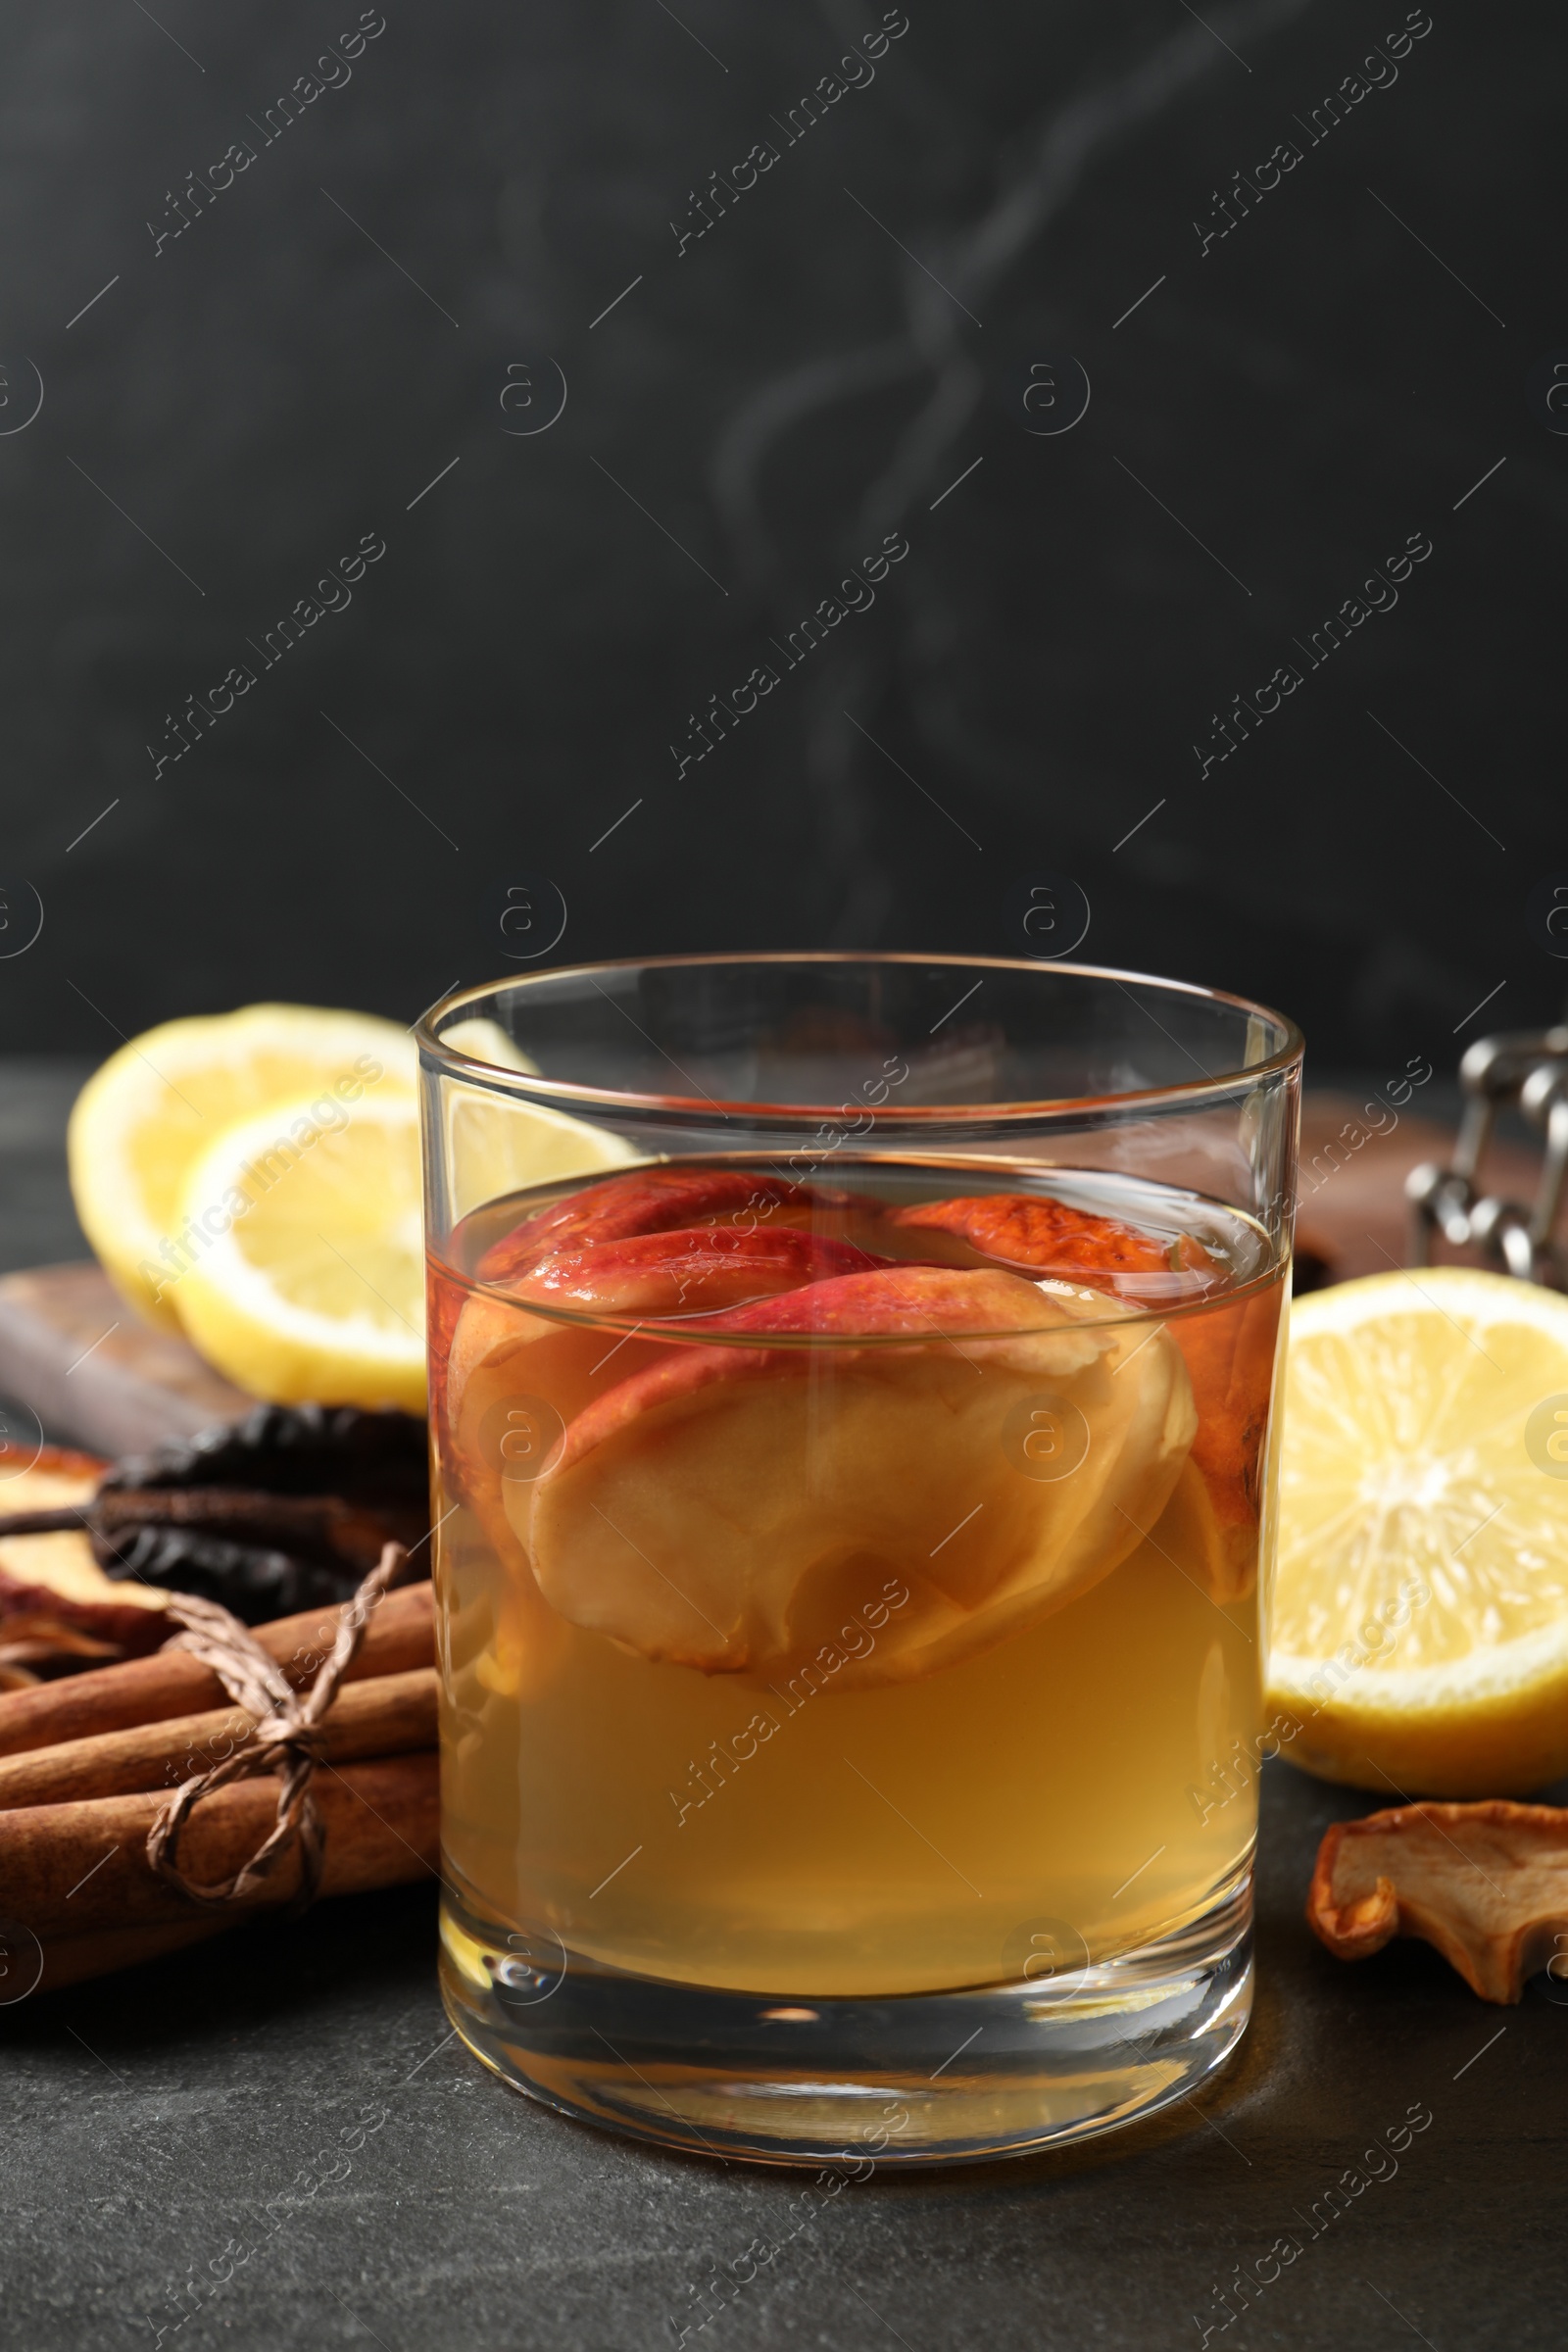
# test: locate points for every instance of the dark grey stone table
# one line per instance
(275, 2141)
(174, 2158)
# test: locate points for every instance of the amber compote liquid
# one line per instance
(849, 1589)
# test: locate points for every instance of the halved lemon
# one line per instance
(165, 1098)
(305, 1232)
(497, 1145)
(484, 1040)
(301, 1235)
(1420, 1634)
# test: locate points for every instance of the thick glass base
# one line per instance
(946, 2078)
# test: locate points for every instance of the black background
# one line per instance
(268, 385)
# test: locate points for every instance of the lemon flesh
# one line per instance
(302, 1236)
(1420, 1626)
(143, 1120)
(496, 1145)
(307, 1279)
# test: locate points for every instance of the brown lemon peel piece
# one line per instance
(1485, 1884)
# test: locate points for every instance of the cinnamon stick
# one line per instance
(386, 1716)
(68, 1870)
(399, 1638)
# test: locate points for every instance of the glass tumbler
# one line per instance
(852, 1386)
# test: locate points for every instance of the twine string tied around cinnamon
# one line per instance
(287, 1731)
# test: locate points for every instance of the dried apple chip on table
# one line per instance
(57, 1606)
(1485, 1884)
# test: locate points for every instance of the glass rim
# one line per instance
(1187, 1093)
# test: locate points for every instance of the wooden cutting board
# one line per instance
(73, 1354)
(76, 1357)
(1352, 1215)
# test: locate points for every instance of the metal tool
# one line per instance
(1523, 1070)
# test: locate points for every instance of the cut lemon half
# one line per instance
(306, 1276)
(484, 1040)
(141, 1121)
(1420, 1636)
(498, 1144)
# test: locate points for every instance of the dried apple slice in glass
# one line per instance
(1034, 1230)
(651, 1199)
(699, 1271)
(514, 1378)
(1218, 1553)
(1229, 1352)
(1229, 1349)
(695, 1272)
(732, 1506)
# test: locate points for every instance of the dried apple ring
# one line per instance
(1229, 1349)
(726, 1507)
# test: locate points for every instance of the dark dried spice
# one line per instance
(283, 1511)
(295, 1450)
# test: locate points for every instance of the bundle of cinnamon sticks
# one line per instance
(87, 1764)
